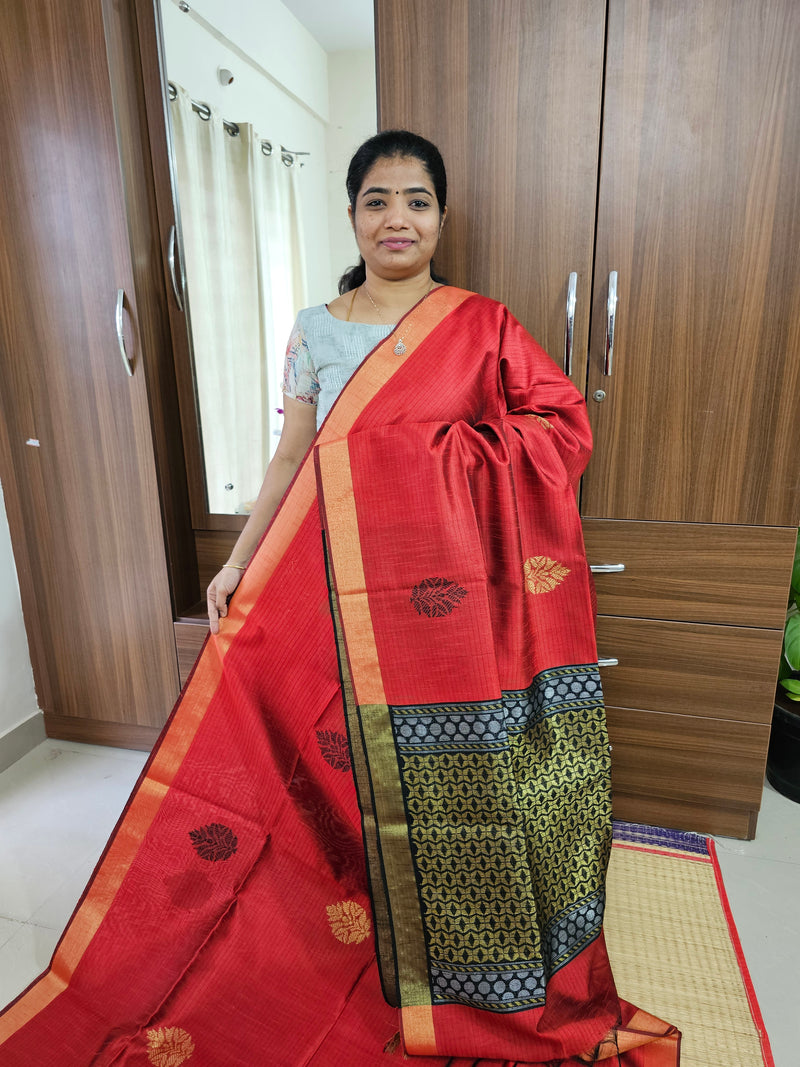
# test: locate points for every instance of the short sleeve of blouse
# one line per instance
(300, 379)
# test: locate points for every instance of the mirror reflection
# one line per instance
(268, 100)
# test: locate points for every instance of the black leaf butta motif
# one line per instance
(340, 841)
(436, 597)
(214, 842)
(334, 749)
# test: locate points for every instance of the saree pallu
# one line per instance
(395, 743)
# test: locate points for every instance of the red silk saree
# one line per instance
(408, 674)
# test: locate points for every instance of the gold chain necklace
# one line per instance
(400, 348)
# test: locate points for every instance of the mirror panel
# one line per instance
(264, 118)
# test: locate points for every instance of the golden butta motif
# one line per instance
(168, 1046)
(543, 575)
(349, 922)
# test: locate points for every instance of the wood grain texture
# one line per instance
(510, 91)
(84, 505)
(96, 732)
(693, 572)
(699, 817)
(693, 773)
(213, 551)
(128, 58)
(718, 672)
(189, 638)
(699, 212)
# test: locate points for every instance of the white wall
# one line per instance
(17, 697)
(353, 110)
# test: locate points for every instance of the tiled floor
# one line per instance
(59, 804)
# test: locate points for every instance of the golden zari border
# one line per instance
(369, 724)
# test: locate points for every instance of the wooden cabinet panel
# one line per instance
(699, 213)
(213, 551)
(719, 672)
(76, 449)
(189, 638)
(678, 770)
(511, 94)
(692, 572)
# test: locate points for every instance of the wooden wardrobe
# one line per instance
(651, 145)
(90, 450)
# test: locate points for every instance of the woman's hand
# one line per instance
(221, 589)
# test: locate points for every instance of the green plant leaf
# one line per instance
(796, 571)
(791, 642)
(792, 686)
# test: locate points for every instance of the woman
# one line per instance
(433, 647)
(397, 189)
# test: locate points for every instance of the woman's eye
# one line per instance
(374, 203)
(420, 203)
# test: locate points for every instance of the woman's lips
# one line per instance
(397, 243)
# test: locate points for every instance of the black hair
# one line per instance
(389, 144)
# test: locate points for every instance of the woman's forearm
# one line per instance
(279, 474)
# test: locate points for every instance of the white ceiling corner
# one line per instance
(336, 25)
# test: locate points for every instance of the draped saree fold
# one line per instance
(407, 674)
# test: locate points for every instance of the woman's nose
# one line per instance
(396, 215)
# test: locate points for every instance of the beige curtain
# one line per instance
(245, 280)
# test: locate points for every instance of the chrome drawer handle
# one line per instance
(606, 568)
(121, 332)
(607, 661)
(611, 315)
(570, 324)
(171, 260)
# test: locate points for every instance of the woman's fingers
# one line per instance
(213, 611)
(217, 598)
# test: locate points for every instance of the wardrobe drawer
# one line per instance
(715, 672)
(693, 572)
(688, 773)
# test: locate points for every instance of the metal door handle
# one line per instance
(126, 360)
(171, 261)
(611, 314)
(606, 568)
(607, 661)
(570, 324)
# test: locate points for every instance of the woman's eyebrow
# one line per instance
(406, 192)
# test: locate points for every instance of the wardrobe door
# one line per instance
(76, 445)
(699, 215)
(510, 90)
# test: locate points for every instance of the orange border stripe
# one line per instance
(351, 586)
(419, 1035)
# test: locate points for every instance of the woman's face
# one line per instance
(397, 219)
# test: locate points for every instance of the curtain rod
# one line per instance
(288, 155)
